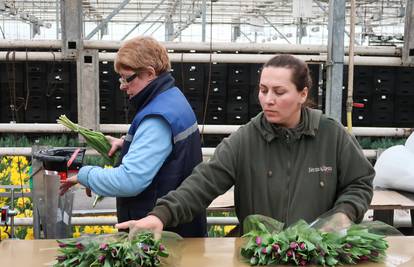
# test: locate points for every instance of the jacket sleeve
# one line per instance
(355, 175)
(151, 140)
(207, 181)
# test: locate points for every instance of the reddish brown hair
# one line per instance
(140, 53)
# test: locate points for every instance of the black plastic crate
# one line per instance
(37, 67)
(176, 72)
(237, 113)
(218, 71)
(6, 114)
(193, 90)
(106, 66)
(55, 112)
(361, 117)
(363, 71)
(37, 80)
(217, 105)
(382, 102)
(242, 98)
(107, 93)
(363, 87)
(237, 118)
(58, 90)
(405, 73)
(216, 117)
(383, 119)
(106, 114)
(404, 88)
(236, 107)
(58, 77)
(382, 107)
(238, 74)
(193, 73)
(10, 71)
(7, 89)
(384, 80)
(404, 118)
(255, 70)
(218, 89)
(238, 90)
(36, 115)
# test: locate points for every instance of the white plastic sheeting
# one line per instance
(395, 167)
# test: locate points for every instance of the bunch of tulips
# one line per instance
(301, 245)
(111, 250)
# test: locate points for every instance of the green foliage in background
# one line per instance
(379, 142)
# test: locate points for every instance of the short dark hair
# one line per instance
(300, 71)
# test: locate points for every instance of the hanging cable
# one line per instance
(209, 73)
(12, 83)
(27, 81)
(52, 72)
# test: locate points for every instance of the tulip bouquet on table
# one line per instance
(300, 244)
(112, 250)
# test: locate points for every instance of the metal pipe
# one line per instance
(25, 221)
(349, 100)
(207, 152)
(32, 56)
(223, 47)
(208, 129)
(203, 58)
(251, 47)
(111, 220)
(37, 44)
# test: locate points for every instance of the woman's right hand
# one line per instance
(116, 143)
(150, 222)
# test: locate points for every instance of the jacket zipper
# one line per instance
(288, 176)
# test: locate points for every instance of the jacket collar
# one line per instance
(308, 125)
(160, 84)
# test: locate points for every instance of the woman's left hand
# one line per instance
(68, 183)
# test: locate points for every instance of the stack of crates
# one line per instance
(238, 90)
(404, 98)
(383, 96)
(59, 89)
(217, 93)
(12, 101)
(108, 85)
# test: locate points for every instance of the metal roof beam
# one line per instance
(408, 49)
(274, 27)
(107, 19)
(143, 19)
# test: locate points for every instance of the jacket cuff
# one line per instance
(348, 209)
(83, 175)
(163, 213)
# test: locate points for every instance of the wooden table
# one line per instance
(196, 252)
(384, 202)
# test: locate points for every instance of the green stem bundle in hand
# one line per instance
(94, 139)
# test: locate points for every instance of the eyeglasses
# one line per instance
(129, 79)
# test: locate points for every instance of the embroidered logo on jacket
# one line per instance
(323, 169)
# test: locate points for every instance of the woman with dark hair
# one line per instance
(290, 162)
